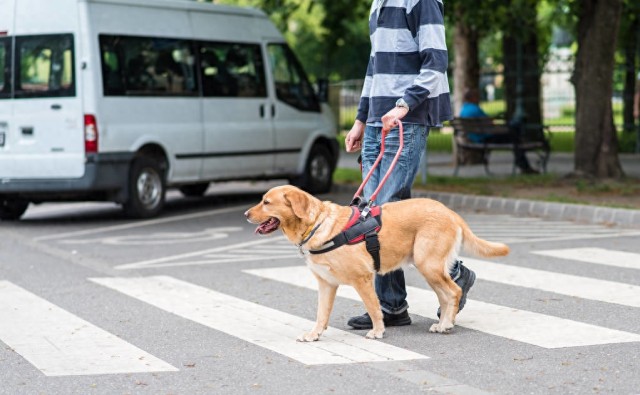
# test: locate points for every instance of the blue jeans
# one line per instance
(391, 288)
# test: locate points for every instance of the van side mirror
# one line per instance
(323, 90)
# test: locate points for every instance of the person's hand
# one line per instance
(353, 141)
(390, 119)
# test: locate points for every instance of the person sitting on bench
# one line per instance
(471, 109)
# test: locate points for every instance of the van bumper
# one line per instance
(103, 172)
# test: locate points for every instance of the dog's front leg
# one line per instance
(326, 297)
(371, 303)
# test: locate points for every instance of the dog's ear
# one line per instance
(299, 203)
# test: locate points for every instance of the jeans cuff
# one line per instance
(399, 310)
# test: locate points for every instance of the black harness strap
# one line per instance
(362, 229)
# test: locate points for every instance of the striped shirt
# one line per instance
(408, 60)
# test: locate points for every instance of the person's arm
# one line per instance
(426, 22)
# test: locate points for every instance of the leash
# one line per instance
(357, 198)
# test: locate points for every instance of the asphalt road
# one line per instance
(193, 302)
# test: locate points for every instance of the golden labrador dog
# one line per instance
(419, 231)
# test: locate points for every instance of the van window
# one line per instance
(292, 86)
(45, 66)
(232, 70)
(147, 66)
(5, 71)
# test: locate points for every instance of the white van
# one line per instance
(118, 100)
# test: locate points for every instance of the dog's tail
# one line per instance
(474, 245)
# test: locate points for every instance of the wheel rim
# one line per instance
(320, 169)
(149, 188)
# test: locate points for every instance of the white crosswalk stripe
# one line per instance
(259, 325)
(59, 343)
(511, 229)
(524, 326)
(564, 284)
(600, 256)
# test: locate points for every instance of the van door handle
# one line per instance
(56, 107)
(261, 110)
(27, 130)
(273, 111)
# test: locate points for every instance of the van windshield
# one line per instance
(5, 71)
(37, 66)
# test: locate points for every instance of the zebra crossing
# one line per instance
(60, 343)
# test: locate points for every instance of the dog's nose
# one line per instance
(246, 213)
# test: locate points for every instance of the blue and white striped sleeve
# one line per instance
(426, 23)
(363, 106)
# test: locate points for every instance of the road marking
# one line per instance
(559, 283)
(600, 256)
(278, 248)
(256, 324)
(510, 229)
(59, 343)
(139, 224)
(160, 238)
(521, 325)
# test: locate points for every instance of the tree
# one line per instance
(629, 44)
(596, 142)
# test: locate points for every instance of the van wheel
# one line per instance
(194, 190)
(12, 210)
(318, 173)
(146, 188)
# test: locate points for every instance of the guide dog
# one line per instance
(419, 231)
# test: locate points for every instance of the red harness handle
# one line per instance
(375, 164)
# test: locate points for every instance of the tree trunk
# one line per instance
(466, 72)
(596, 141)
(530, 67)
(630, 45)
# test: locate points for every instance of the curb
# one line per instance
(533, 208)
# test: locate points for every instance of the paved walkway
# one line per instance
(501, 165)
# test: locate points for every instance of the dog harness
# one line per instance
(362, 226)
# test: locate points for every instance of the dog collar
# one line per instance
(305, 239)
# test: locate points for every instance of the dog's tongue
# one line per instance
(267, 226)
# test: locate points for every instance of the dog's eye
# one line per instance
(266, 202)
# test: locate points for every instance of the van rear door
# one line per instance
(45, 133)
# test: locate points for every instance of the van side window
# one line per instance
(292, 86)
(45, 66)
(147, 66)
(232, 70)
(5, 71)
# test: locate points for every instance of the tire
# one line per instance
(194, 190)
(318, 172)
(12, 210)
(147, 188)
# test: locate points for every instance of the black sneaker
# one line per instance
(465, 281)
(364, 321)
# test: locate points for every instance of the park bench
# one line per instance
(532, 138)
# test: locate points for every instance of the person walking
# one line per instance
(406, 80)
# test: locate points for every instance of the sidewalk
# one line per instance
(501, 165)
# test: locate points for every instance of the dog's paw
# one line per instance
(308, 337)
(440, 328)
(372, 334)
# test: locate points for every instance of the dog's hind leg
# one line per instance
(326, 297)
(432, 264)
(364, 287)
